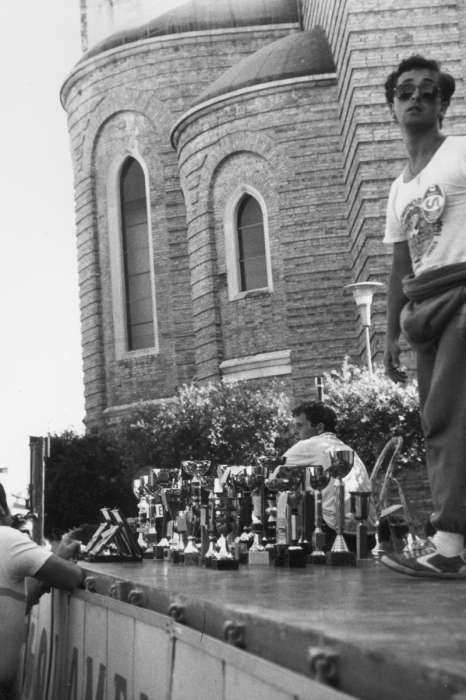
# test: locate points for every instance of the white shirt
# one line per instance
(19, 557)
(430, 211)
(312, 452)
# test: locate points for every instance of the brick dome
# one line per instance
(202, 15)
(296, 55)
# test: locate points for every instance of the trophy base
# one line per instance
(148, 554)
(295, 558)
(258, 558)
(191, 559)
(306, 546)
(277, 555)
(241, 552)
(159, 552)
(225, 564)
(319, 559)
(174, 555)
(341, 558)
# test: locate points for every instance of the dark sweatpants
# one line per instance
(442, 393)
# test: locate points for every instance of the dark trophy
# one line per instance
(254, 480)
(360, 501)
(291, 479)
(161, 482)
(341, 465)
(196, 469)
(208, 539)
(319, 479)
(224, 522)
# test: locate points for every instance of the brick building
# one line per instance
(232, 163)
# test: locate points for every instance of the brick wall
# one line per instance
(125, 102)
(285, 142)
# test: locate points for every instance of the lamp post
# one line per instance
(363, 292)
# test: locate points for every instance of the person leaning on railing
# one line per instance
(21, 558)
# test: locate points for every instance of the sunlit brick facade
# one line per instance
(281, 101)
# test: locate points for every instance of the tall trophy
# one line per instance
(224, 521)
(140, 491)
(254, 478)
(341, 465)
(175, 497)
(360, 501)
(244, 536)
(195, 469)
(291, 479)
(208, 539)
(161, 482)
(319, 479)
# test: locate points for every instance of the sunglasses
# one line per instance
(428, 91)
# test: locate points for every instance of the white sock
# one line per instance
(449, 544)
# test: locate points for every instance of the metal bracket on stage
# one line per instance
(323, 665)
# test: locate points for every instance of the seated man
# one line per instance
(315, 423)
(20, 558)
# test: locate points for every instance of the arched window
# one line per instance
(252, 258)
(138, 292)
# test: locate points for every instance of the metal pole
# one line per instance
(368, 350)
(37, 488)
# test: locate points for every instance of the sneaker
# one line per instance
(425, 561)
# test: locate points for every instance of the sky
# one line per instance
(41, 378)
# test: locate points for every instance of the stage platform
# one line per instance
(155, 630)
(389, 635)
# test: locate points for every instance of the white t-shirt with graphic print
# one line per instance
(430, 211)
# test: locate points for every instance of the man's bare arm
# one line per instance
(401, 267)
(57, 570)
(60, 573)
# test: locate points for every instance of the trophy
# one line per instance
(253, 480)
(141, 493)
(290, 478)
(360, 501)
(341, 465)
(211, 551)
(223, 520)
(161, 483)
(271, 513)
(175, 498)
(194, 469)
(245, 538)
(319, 479)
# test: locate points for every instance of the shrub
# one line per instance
(83, 474)
(371, 410)
(228, 423)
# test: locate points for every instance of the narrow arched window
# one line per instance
(136, 258)
(252, 257)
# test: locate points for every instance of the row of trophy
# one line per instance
(225, 515)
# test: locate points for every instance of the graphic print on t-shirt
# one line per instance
(422, 222)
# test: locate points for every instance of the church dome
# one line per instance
(297, 55)
(202, 15)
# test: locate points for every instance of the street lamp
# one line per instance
(363, 292)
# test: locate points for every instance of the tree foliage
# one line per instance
(371, 410)
(228, 423)
(83, 474)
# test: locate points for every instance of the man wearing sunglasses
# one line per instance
(426, 219)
